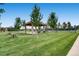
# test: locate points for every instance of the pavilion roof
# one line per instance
(30, 24)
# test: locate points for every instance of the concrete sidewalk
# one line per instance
(74, 51)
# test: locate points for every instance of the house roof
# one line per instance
(30, 24)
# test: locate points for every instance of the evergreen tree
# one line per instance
(64, 25)
(69, 25)
(52, 20)
(36, 17)
(18, 23)
(24, 24)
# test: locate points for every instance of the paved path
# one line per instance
(74, 51)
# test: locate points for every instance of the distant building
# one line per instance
(29, 26)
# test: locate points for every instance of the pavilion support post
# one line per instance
(25, 29)
(32, 30)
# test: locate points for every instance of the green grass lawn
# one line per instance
(45, 44)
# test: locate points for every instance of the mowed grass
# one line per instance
(43, 44)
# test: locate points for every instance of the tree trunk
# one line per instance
(39, 29)
(32, 30)
(36, 29)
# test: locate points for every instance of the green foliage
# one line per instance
(52, 21)
(18, 23)
(58, 25)
(64, 25)
(11, 29)
(36, 16)
(24, 24)
(69, 25)
(2, 11)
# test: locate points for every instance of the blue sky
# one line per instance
(64, 11)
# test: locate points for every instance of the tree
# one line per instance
(64, 25)
(58, 26)
(75, 28)
(1, 12)
(36, 17)
(52, 20)
(69, 25)
(17, 23)
(24, 24)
